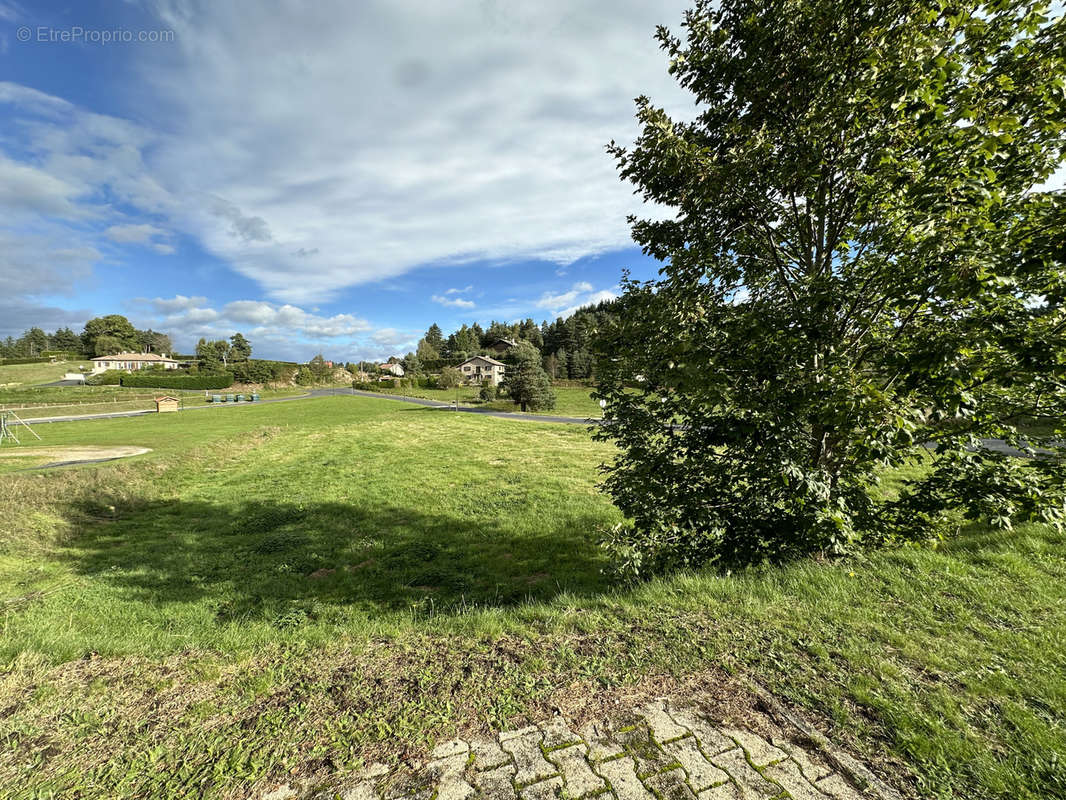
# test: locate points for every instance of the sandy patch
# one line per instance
(74, 454)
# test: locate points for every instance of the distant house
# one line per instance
(132, 361)
(482, 369)
(501, 346)
(392, 369)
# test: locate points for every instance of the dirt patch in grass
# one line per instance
(75, 454)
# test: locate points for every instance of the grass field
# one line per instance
(294, 588)
(569, 401)
(35, 401)
(14, 375)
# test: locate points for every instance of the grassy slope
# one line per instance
(13, 375)
(37, 402)
(467, 591)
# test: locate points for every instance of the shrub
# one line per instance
(111, 377)
(449, 378)
(487, 393)
(166, 380)
(10, 361)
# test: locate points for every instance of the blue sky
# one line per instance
(324, 177)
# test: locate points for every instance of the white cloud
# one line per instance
(282, 331)
(561, 300)
(452, 302)
(138, 234)
(271, 153)
(178, 302)
(26, 190)
(590, 300)
(269, 149)
(460, 291)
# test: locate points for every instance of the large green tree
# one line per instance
(860, 271)
(240, 348)
(116, 328)
(66, 340)
(526, 381)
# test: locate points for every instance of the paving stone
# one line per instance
(506, 735)
(712, 741)
(600, 743)
(836, 786)
(364, 790)
(724, 791)
(645, 751)
(497, 784)
(670, 785)
(751, 783)
(621, 773)
(544, 790)
(488, 754)
(701, 772)
(448, 767)
(664, 753)
(663, 727)
(760, 751)
(407, 794)
(455, 789)
(578, 776)
(449, 749)
(529, 760)
(557, 734)
(812, 767)
(789, 775)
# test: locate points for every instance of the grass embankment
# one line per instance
(570, 401)
(289, 589)
(39, 402)
(14, 375)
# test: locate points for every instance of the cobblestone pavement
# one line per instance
(660, 752)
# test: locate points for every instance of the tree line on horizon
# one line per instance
(564, 345)
(101, 336)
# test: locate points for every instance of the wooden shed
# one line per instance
(166, 403)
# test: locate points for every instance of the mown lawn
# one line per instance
(294, 588)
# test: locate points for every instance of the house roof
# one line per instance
(167, 397)
(492, 361)
(134, 357)
(508, 342)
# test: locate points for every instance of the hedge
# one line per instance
(4, 362)
(109, 377)
(158, 379)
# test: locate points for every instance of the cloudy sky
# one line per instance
(327, 176)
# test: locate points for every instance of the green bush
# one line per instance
(167, 380)
(111, 377)
(9, 361)
(449, 378)
(487, 393)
